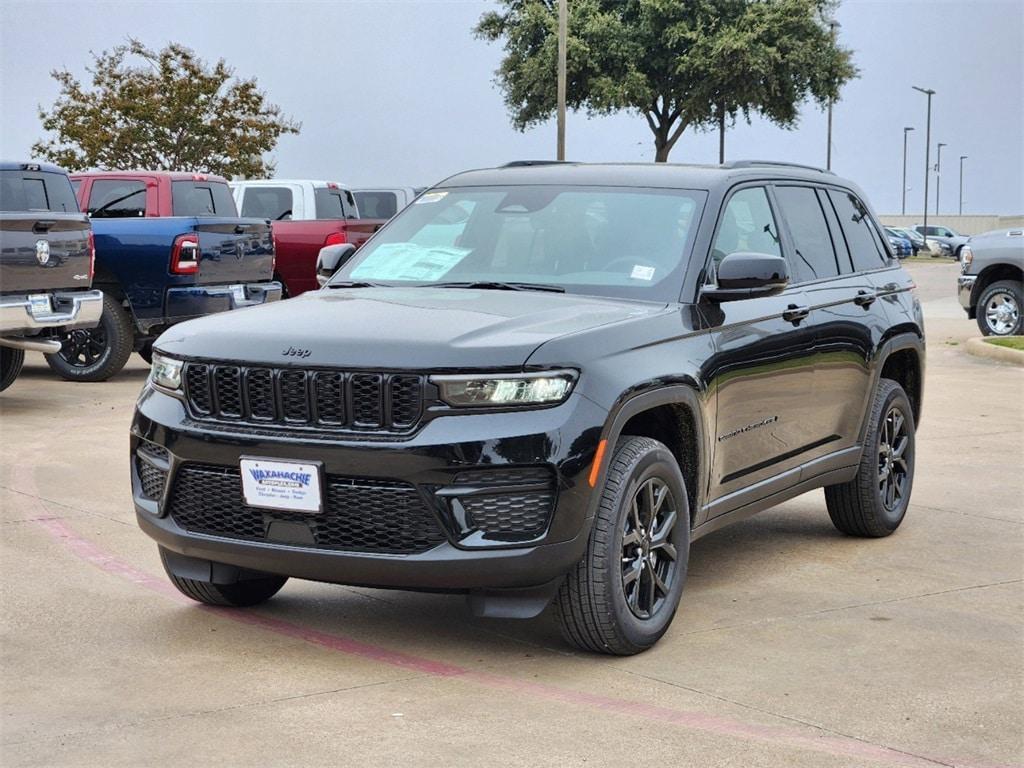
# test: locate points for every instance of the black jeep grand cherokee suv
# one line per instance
(543, 381)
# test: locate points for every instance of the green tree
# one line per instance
(680, 63)
(161, 110)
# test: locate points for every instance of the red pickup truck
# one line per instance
(306, 215)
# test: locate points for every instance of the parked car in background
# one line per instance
(953, 239)
(900, 243)
(305, 215)
(916, 238)
(990, 285)
(541, 383)
(169, 247)
(46, 264)
(383, 203)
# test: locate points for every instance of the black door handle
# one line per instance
(865, 298)
(795, 313)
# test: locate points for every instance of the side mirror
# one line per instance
(331, 259)
(747, 276)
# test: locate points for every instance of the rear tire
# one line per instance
(1000, 310)
(241, 594)
(621, 597)
(96, 354)
(11, 362)
(875, 502)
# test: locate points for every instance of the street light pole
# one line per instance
(938, 176)
(927, 146)
(961, 208)
(906, 130)
(828, 150)
(563, 17)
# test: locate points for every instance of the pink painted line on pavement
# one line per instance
(713, 724)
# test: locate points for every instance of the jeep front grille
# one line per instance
(295, 397)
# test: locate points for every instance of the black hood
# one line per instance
(398, 328)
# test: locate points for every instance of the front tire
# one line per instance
(241, 594)
(875, 502)
(96, 354)
(11, 362)
(1000, 309)
(621, 597)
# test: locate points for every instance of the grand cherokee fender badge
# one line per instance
(293, 352)
(42, 252)
(741, 430)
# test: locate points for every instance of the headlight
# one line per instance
(485, 390)
(165, 372)
(966, 257)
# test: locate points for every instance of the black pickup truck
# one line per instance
(543, 382)
(46, 264)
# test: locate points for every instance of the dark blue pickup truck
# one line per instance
(169, 247)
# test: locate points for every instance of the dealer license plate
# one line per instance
(287, 485)
(39, 304)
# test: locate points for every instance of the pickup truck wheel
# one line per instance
(1001, 309)
(621, 597)
(241, 594)
(96, 354)
(11, 361)
(874, 503)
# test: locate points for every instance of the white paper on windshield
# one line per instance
(641, 272)
(408, 261)
(430, 197)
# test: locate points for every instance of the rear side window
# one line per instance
(862, 239)
(36, 191)
(377, 205)
(331, 204)
(815, 256)
(747, 225)
(117, 199)
(274, 203)
(202, 198)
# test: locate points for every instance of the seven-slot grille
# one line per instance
(304, 398)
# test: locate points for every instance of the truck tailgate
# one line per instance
(233, 250)
(44, 251)
(359, 230)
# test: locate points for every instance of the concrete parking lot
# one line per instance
(794, 646)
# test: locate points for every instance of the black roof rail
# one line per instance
(757, 163)
(527, 163)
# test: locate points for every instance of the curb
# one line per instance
(981, 348)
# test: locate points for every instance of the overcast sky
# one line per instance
(402, 93)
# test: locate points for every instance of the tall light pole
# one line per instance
(563, 26)
(927, 146)
(828, 150)
(938, 176)
(960, 210)
(906, 130)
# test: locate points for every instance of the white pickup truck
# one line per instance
(384, 202)
(305, 215)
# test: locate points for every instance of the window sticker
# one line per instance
(430, 197)
(408, 261)
(641, 272)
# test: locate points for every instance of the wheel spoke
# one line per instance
(660, 536)
(648, 587)
(631, 575)
(631, 539)
(659, 585)
(900, 447)
(668, 549)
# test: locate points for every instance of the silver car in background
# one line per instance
(991, 283)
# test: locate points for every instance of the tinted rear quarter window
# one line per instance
(330, 204)
(815, 256)
(202, 198)
(117, 199)
(274, 203)
(863, 240)
(377, 205)
(36, 191)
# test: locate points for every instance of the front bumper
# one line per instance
(66, 310)
(200, 300)
(563, 439)
(964, 291)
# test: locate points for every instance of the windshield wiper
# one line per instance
(494, 285)
(355, 284)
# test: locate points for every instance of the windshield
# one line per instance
(605, 241)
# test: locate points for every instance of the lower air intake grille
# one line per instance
(151, 477)
(360, 514)
(513, 500)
